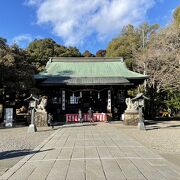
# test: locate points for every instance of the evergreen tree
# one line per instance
(40, 51)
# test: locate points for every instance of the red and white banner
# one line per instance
(71, 117)
(96, 117)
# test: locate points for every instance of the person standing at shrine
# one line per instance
(50, 120)
(80, 116)
(90, 113)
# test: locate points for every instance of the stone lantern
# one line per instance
(140, 103)
(32, 106)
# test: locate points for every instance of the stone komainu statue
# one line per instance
(42, 104)
(131, 105)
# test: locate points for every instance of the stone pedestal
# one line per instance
(41, 119)
(109, 117)
(131, 117)
(32, 128)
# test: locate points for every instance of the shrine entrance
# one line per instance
(107, 100)
(95, 99)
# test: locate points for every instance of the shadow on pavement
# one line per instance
(152, 128)
(19, 153)
(44, 130)
(79, 125)
(152, 125)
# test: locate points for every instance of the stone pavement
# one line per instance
(92, 152)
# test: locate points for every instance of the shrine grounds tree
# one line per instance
(17, 66)
(101, 53)
(160, 59)
(88, 54)
(40, 50)
(15, 70)
(176, 16)
(154, 52)
(130, 41)
(124, 45)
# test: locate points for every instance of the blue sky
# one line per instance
(86, 24)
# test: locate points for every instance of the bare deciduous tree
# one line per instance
(161, 60)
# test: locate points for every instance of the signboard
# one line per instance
(63, 100)
(8, 117)
(109, 101)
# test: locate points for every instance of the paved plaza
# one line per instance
(90, 152)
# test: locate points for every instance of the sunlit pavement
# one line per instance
(90, 152)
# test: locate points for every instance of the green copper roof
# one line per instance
(75, 68)
(87, 71)
(85, 81)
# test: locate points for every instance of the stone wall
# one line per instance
(131, 118)
(41, 119)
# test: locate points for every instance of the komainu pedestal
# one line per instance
(41, 119)
(131, 117)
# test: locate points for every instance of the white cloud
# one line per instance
(24, 39)
(21, 39)
(32, 2)
(76, 20)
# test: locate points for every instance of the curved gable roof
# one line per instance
(89, 69)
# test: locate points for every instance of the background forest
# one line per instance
(147, 49)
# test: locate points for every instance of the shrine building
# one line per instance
(73, 83)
